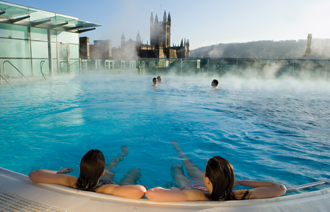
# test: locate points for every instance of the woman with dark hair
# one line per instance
(91, 169)
(216, 183)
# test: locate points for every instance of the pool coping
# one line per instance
(69, 199)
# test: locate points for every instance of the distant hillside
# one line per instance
(265, 49)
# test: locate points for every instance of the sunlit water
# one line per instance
(276, 130)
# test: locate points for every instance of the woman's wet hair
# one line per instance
(91, 169)
(154, 80)
(221, 174)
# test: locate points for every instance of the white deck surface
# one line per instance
(17, 190)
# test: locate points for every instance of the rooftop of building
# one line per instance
(27, 16)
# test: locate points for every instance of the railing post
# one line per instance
(50, 57)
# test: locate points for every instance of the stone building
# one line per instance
(159, 47)
(308, 51)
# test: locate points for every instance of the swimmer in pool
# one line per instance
(216, 183)
(91, 169)
(159, 78)
(155, 81)
(214, 83)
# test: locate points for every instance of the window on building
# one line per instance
(97, 64)
(132, 64)
(198, 63)
(122, 65)
(109, 64)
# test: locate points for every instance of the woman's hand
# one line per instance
(236, 183)
(64, 171)
(174, 189)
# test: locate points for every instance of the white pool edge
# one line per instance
(73, 200)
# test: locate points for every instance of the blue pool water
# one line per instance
(275, 130)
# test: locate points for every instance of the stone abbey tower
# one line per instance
(160, 42)
(160, 32)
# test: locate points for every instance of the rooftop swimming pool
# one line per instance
(276, 130)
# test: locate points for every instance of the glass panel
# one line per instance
(14, 48)
(55, 67)
(23, 65)
(39, 49)
(38, 34)
(63, 67)
(63, 52)
(13, 31)
(83, 65)
(74, 66)
(67, 37)
(41, 15)
(54, 36)
(74, 51)
(14, 10)
(54, 50)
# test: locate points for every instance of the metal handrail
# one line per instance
(1, 77)
(308, 185)
(41, 64)
(4, 70)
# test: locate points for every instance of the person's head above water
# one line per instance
(221, 175)
(214, 83)
(159, 78)
(155, 81)
(91, 169)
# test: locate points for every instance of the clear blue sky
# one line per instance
(202, 22)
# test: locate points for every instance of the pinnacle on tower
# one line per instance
(138, 37)
(152, 16)
(164, 17)
(122, 40)
(169, 17)
(156, 19)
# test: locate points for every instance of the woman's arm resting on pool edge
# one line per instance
(264, 189)
(48, 176)
(129, 191)
(159, 194)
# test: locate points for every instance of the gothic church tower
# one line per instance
(160, 32)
